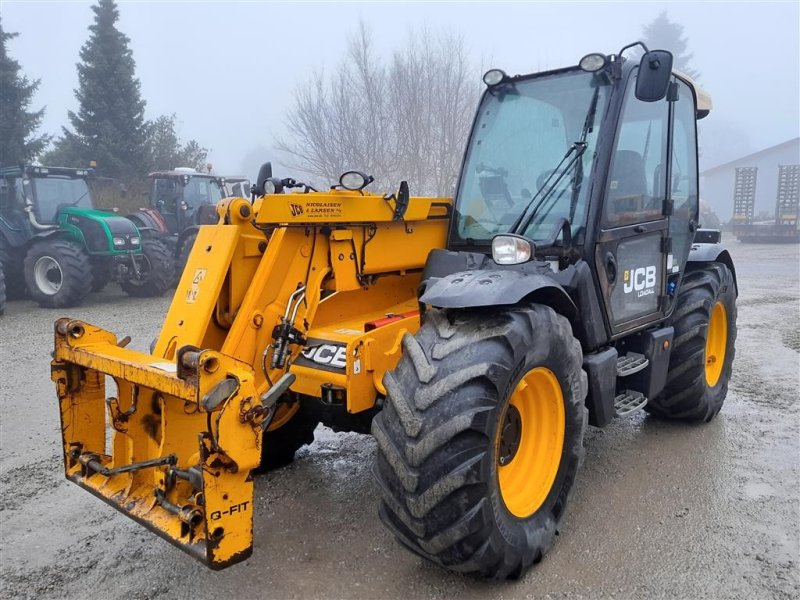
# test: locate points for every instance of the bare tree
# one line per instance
(405, 118)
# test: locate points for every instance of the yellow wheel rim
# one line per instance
(716, 343)
(530, 440)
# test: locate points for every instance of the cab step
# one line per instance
(629, 401)
(631, 363)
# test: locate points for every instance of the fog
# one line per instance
(229, 70)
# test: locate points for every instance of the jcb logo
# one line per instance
(327, 354)
(642, 280)
(297, 210)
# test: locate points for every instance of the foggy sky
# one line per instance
(229, 70)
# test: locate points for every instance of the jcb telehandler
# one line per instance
(475, 338)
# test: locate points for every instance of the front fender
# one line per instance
(472, 289)
(705, 253)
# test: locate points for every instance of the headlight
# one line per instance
(118, 241)
(269, 187)
(135, 241)
(510, 249)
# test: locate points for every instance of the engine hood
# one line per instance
(116, 225)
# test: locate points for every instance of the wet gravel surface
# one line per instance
(661, 510)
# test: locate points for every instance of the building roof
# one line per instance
(752, 155)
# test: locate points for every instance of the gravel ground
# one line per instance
(662, 509)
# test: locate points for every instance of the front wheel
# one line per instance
(57, 273)
(701, 360)
(156, 270)
(481, 437)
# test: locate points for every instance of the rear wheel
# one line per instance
(2, 290)
(57, 273)
(703, 349)
(12, 259)
(157, 269)
(183, 254)
(481, 437)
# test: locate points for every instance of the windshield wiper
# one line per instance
(588, 125)
(521, 223)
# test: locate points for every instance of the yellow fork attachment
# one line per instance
(174, 449)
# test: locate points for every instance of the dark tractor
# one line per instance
(56, 247)
(180, 201)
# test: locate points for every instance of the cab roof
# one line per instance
(704, 104)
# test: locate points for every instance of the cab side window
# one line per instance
(683, 179)
(636, 181)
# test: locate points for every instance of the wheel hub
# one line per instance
(529, 442)
(510, 436)
(47, 275)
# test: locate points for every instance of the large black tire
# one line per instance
(2, 290)
(101, 275)
(439, 440)
(11, 260)
(688, 394)
(57, 273)
(158, 269)
(280, 445)
(183, 255)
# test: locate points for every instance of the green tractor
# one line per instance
(56, 247)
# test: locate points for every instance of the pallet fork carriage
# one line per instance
(475, 338)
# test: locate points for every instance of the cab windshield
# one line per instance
(522, 133)
(55, 193)
(202, 190)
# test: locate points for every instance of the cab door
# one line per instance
(632, 247)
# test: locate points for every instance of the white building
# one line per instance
(716, 183)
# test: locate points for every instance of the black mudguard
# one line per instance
(490, 287)
(706, 253)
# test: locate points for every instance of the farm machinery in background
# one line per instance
(182, 200)
(57, 247)
(785, 226)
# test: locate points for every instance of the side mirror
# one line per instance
(264, 173)
(655, 70)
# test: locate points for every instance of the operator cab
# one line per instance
(43, 191)
(593, 164)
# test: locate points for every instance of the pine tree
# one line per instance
(18, 143)
(663, 34)
(109, 126)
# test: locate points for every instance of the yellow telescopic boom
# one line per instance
(268, 295)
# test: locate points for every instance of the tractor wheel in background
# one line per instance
(101, 275)
(703, 349)
(287, 434)
(57, 273)
(12, 269)
(157, 269)
(481, 436)
(183, 254)
(2, 290)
